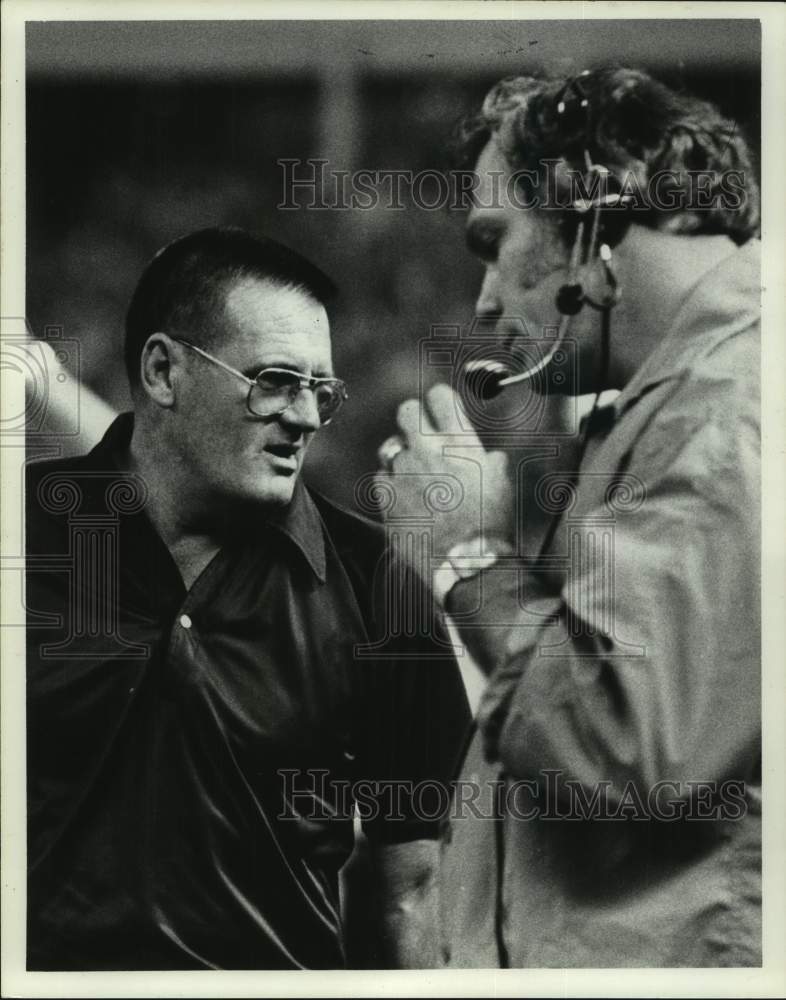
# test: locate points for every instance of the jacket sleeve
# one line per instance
(641, 665)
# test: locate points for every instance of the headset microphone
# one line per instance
(487, 378)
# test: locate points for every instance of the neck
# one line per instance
(657, 272)
(175, 504)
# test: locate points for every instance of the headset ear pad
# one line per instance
(614, 219)
(570, 299)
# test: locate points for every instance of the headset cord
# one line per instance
(499, 812)
(605, 352)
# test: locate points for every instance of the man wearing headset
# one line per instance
(608, 813)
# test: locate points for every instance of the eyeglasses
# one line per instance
(274, 390)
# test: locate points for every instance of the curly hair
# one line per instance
(653, 140)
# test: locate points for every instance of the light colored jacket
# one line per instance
(630, 671)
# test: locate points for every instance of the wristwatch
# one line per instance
(466, 560)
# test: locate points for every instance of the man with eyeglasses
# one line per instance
(202, 716)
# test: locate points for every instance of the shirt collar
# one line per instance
(299, 521)
(725, 301)
(114, 442)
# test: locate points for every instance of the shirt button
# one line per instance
(185, 621)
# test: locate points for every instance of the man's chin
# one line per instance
(278, 495)
(274, 492)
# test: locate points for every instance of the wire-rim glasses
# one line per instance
(274, 390)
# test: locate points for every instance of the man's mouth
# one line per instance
(284, 455)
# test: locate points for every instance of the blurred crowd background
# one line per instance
(138, 132)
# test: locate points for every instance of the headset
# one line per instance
(487, 378)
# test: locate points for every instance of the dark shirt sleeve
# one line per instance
(663, 683)
(413, 717)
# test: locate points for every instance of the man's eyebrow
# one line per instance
(259, 366)
(251, 371)
(482, 235)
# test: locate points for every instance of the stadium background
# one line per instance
(138, 132)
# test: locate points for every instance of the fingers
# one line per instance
(441, 414)
(446, 410)
(413, 421)
(389, 449)
(394, 456)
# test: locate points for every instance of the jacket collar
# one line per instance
(725, 301)
(299, 521)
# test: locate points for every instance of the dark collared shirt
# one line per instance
(192, 754)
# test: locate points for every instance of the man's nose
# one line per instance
(489, 303)
(302, 412)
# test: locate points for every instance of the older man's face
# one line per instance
(525, 261)
(233, 455)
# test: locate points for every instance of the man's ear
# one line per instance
(156, 369)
